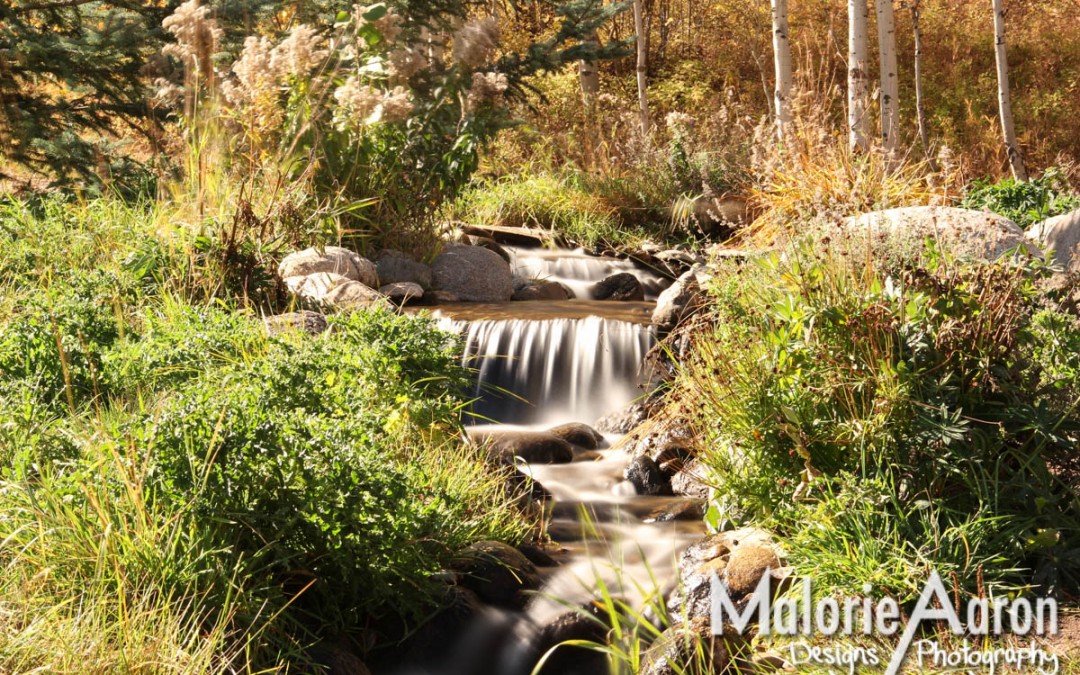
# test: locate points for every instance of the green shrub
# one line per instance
(889, 412)
(334, 461)
(1026, 203)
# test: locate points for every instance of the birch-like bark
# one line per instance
(782, 59)
(890, 80)
(920, 111)
(858, 90)
(1008, 130)
(642, 66)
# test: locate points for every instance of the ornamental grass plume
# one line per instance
(197, 37)
(299, 53)
(476, 41)
(487, 89)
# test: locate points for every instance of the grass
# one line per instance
(180, 492)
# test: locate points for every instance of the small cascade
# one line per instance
(554, 370)
(578, 270)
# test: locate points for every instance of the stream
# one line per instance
(541, 364)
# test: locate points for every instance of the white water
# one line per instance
(578, 270)
(553, 370)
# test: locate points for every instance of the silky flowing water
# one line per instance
(540, 364)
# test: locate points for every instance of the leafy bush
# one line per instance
(333, 460)
(888, 416)
(1026, 203)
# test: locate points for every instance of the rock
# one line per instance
(543, 290)
(621, 286)
(333, 259)
(396, 267)
(520, 282)
(353, 295)
(499, 574)
(473, 273)
(581, 435)
(970, 234)
(491, 245)
(683, 509)
(745, 567)
(1062, 234)
(461, 608)
(441, 297)
(305, 320)
(623, 421)
(688, 482)
(676, 255)
(402, 292)
(314, 287)
(521, 483)
(646, 477)
(537, 555)
(588, 623)
(678, 301)
(659, 438)
(681, 648)
(535, 447)
(336, 658)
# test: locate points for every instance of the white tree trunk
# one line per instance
(1008, 130)
(890, 80)
(782, 57)
(642, 66)
(920, 112)
(858, 91)
(589, 76)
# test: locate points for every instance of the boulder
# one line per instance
(304, 320)
(678, 301)
(332, 259)
(691, 648)
(396, 267)
(687, 482)
(745, 567)
(623, 421)
(543, 290)
(497, 573)
(1061, 233)
(681, 509)
(587, 623)
(402, 292)
(473, 273)
(581, 435)
(353, 295)
(314, 287)
(621, 286)
(515, 236)
(441, 298)
(970, 234)
(336, 658)
(491, 245)
(535, 447)
(646, 477)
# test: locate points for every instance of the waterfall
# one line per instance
(579, 271)
(554, 370)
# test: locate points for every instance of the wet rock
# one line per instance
(491, 245)
(473, 273)
(588, 623)
(683, 509)
(587, 456)
(521, 483)
(691, 648)
(535, 447)
(622, 286)
(678, 301)
(332, 259)
(623, 421)
(1061, 233)
(402, 292)
(537, 555)
(543, 290)
(688, 482)
(745, 567)
(396, 267)
(497, 573)
(581, 435)
(441, 297)
(304, 320)
(971, 234)
(353, 295)
(460, 610)
(646, 477)
(659, 436)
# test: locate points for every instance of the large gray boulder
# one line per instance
(1061, 233)
(396, 267)
(678, 301)
(332, 259)
(473, 274)
(315, 287)
(969, 234)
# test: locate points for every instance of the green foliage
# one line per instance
(901, 407)
(1026, 203)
